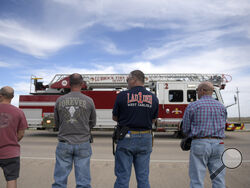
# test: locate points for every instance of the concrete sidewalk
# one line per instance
(38, 173)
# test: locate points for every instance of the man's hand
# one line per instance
(20, 134)
(115, 118)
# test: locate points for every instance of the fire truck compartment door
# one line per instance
(104, 119)
(34, 117)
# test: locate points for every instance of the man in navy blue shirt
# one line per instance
(137, 109)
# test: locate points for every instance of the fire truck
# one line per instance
(174, 91)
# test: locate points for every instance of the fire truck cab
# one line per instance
(174, 97)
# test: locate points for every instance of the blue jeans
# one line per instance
(206, 153)
(136, 150)
(66, 155)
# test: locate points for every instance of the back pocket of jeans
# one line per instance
(63, 150)
(85, 150)
(218, 149)
(198, 149)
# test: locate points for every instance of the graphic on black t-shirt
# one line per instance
(139, 100)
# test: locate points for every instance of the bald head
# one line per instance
(205, 88)
(76, 82)
(75, 79)
(6, 93)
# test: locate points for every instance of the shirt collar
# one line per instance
(137, 87)
(206, 97)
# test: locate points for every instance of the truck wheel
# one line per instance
(40, 128)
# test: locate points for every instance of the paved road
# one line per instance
(169, 165)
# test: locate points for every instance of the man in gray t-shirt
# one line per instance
(74, 115)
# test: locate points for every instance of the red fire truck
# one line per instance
(174, 91)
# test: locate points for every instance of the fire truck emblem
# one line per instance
(64, 82)
(176, 111)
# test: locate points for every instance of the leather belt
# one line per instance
(208, 137)
(140, 132)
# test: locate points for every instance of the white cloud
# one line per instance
(111, 48)
(227, 61)
(63, 21)
(3, 64)
(20, 88)
(59, 27)
(15, 100)
(197, 15)
(186, 41)
(23, 38)
(23, 87)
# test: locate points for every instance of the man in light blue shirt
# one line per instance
(204, 120)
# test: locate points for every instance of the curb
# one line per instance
(242, 130)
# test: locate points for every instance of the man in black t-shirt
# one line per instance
(137, 109)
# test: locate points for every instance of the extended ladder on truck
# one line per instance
(61, 81)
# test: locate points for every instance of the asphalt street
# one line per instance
(168, 167)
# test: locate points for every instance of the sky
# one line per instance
(48, 37)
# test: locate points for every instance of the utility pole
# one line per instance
(238, 101)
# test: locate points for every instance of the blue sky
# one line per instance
(46, 37)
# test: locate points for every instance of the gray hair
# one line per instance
(207, 87)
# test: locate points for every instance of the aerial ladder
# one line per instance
(60, 82)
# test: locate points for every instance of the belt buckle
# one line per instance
(140, 132)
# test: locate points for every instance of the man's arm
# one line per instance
(20, 134)
(56, 117)
(116, 110)
(186, 124)
(156, 111)
(23, 124)
(92, 119)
